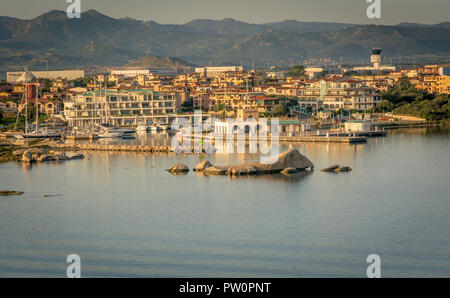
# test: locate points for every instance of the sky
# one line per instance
(252, 11)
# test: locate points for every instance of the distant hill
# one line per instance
(296, 26)
(99, 40)
(157, 62)
(442, 25)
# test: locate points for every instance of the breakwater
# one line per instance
(113, 148)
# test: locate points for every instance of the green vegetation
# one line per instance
(48, 83)
(285, 103)
(81, 82)
(188, 105)
(219, 107)
(404, 99)
(296, 71)
(432, 110)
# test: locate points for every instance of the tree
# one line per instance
(384, 106)
(351, 73)
(188, 104)
(81, 82)
(47, 83)
(322, 74)
(280, 109)
(296, 71)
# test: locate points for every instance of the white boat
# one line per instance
(42, 134)
(154, 128)
(110, 133)
(126, 130)
(142, 128)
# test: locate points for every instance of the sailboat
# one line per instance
(27, 78)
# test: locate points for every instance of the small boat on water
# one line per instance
(42, 134)
(154, 128)
(142, 128)
(110, 133)
(125, 130)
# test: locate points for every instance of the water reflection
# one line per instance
(126, 216)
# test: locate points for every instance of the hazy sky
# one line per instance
(254, 11)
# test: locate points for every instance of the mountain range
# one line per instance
(100, 40)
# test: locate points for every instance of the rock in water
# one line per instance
(330, 168)
(203, 165)
(77, 156)
(5, 193)
(289, 171)
(288, 159)
(179, 168)
(241, 170)
(343, 169)
(216, 170)
(27, 157)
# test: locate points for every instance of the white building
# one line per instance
(120, 108)
(214, 71)
(12, 77)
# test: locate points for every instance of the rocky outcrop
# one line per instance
(343, 169)
(337, 169)
(178, 168)
(27, 157)
(5, 193)
(290, 160)
(330, 168)
(113, 148)
(202, 166)
(42, 155)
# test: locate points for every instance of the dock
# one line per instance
(345, 138)
(325, 139)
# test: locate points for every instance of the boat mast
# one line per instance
(93, 106)
(37, 112)
(26, 103)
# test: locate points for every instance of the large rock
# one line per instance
(179, 168)
(27, 157)
(241, 170)
(203, 165)
(288, 159)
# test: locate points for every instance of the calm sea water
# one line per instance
(127, 217)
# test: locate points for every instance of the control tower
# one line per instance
(376, 58)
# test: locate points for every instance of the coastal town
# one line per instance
(336, 98)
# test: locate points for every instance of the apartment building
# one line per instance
(120, 108)
(233, 99)
(435, 84)
(335, 93)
